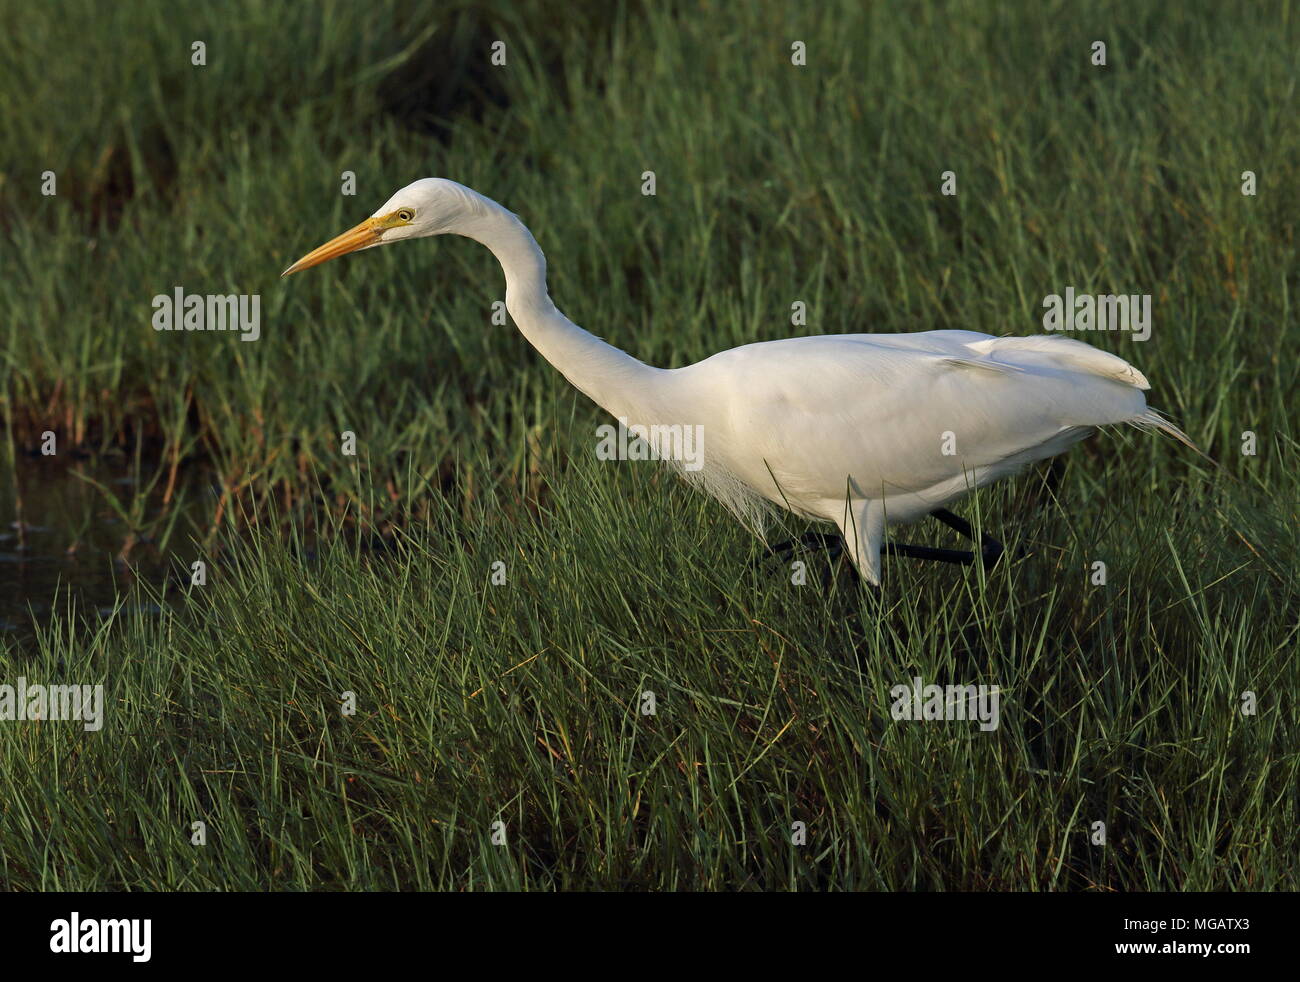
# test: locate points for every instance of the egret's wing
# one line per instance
(1053, 352)
(894, 413)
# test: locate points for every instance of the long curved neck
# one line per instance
(611, 378)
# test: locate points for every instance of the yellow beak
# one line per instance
(365, 234)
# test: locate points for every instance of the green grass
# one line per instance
(519, 702)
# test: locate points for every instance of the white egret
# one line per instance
(862, 430)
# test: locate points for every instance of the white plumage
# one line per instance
(862, 430)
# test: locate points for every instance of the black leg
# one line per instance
(954, 522)
(990, 548)
(926, 552)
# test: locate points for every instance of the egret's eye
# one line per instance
(406, 214)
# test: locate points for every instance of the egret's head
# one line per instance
(432, 206)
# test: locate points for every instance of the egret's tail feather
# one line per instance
(1151, 420)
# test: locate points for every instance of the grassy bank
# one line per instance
(519, 702)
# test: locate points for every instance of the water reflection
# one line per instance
(81, 532)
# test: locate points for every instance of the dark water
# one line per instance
(62, 540)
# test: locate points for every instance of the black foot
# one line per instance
(809, 541)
